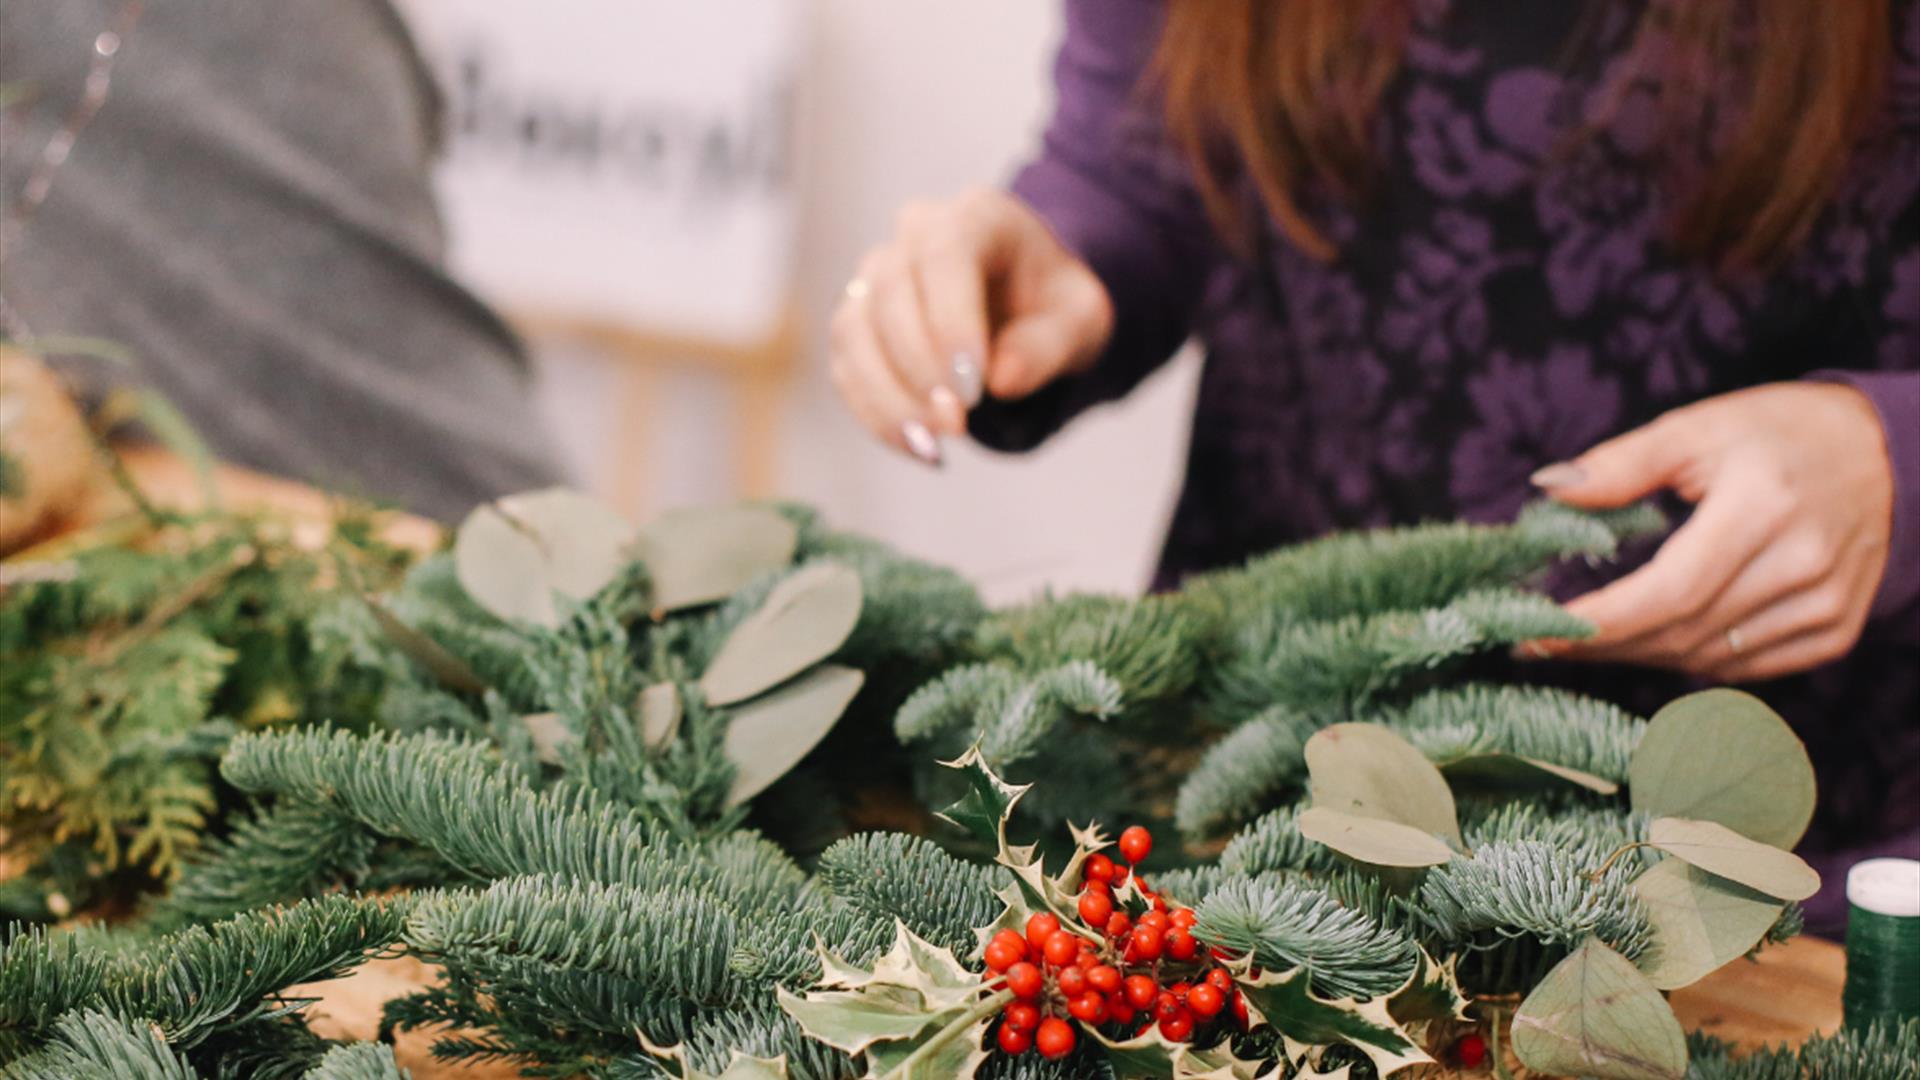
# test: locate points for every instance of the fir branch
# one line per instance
(359, 1061)
(1272, 843)
(1531, 889)
(1537, 722)
(1289, 925)
(89, 1044)
(290, 852)
(762, 1029)
(42, 976)
(1145, 645)
(895, 876)
(1256, 763)
(1882, 1050)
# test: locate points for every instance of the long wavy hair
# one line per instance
(1765, 102)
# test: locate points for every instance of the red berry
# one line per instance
(1088, 1008)
(1001, 954)
(1159, 904)
(1061, 948)
(1023, 1015)
(1120, 872)
(1055, 1038)
(1095, 909)
(1100, 887)
(1220, 980)
(1024, 980)
(1118, 925)
(1119, 1009)
(1072, 980)
(1156, 919)
(1239, 1008)
(1165, 1005)
(1144, 944)
(1471, 1050)
(1104, 978)
(1014, 1040)
(1206, 1001)
(1141, 991)
(1039, 928)
(1184, 916)
(1012, 938)
(1180, 944)
(1177, 1027)
(1136, 844)
(1099, 868)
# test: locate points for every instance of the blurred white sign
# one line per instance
(625, 161)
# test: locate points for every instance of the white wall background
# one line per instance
(911, 100)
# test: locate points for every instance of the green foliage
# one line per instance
(92, 1045)
(1254, 765)
(1272, 843)
(894, 876)
(358, 1061)
(290, 851)
(1286, 924)
(1881, 1051)
(1537, 722)
(123, 676)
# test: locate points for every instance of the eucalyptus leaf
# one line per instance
(659, 710)
(804, 620)
(1499, 769)
(1700, 922)
(768, 736)
(551, 736)
(1368, 771)
(1595, 1015)
(1372, 840)
(703, 554)
(449, 670)
(1723, 755)
(1717, 849)
(514, 554)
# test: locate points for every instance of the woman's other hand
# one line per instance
(971, 295)
(1777, 567)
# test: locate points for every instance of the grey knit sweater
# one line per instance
(250, 213)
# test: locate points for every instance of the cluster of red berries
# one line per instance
(1150, 969)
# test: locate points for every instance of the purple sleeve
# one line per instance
(1896, 398)
(1117, 195)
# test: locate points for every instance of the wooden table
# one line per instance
(1790, 992)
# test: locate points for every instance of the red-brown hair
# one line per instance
(1283, 93)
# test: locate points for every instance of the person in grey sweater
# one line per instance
(249, 212)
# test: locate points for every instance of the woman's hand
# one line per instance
(1777, 567)
(972, 293)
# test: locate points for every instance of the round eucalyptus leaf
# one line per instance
(1368, 771)
(1596, 1015)
(769, 735)
(1504, 770)
(702, 554)
(1371, 840)
(1722, 755)
(513, 554)
(804, 620)
(1700, 922)
(659, 710)
(1717, 849)
(551, 736)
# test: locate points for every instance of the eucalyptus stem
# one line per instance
(987, 1007)
(1611, 859)
(1494, 1049)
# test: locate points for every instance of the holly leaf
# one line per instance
(769, 735)
(1717, 849)
(739, 1067)
(1286, 1001)
(1432, 993)
(1371, 840)
(955, 1050)
(1700, 922)
(914, 987)
(1367, 771)
(1500, 769)
(988, 802)
(702, 554)
(1596, 1015)
(1722, 755)
(803, 620)
(514, 554)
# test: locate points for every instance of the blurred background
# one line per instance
(667, 199)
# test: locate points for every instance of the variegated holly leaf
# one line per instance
(1432, 993)
(739, 1067)
(702, 554)
(952, 1052)
(914, 989)
(803, 620)
(983, 810)
(1700, 922)
(1719, 850)
(1723, 755)
(1286, 1001)
(1368, 771)
(1499, 769)
(1221, 1063)
(1596, 1015)
(515, 554)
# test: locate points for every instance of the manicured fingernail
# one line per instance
(1530, 650)
(966, 378)
(921, 441)
(947, 410)
(1559, 474)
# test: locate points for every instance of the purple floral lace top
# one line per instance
(1503, 301)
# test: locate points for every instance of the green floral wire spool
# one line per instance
(1883, 942)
